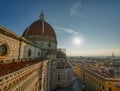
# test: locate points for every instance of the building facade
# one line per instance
(96, 80)
(30, 62)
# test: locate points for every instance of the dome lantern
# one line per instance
(42, 17)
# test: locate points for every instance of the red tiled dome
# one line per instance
(36, 28)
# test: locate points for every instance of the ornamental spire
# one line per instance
(42, 16)
(42, 19)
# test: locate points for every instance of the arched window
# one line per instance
(58, 64)
(29, 52)
(49, 44)
(38, 53)
(58, 77)
(3, 50)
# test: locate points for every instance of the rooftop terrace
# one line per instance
(14, 66)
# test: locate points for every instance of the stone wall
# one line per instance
(12, 45)
(24, 79)
(15, 48)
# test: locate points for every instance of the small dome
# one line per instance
(60, 54)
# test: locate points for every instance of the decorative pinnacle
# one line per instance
(42, 17)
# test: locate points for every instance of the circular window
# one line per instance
(3, 50)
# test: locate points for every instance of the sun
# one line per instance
(77, 41)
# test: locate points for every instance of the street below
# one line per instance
(76, 86)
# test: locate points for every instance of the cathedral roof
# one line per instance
(40, 27)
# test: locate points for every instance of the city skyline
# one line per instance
(83, 27)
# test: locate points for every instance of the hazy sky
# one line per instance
(95, 22)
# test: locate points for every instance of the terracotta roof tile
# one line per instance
(11, 67)
(36, 29)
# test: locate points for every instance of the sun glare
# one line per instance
(77, 41)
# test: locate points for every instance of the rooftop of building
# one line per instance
(14, 66)
(97, 72)
(106, 75)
